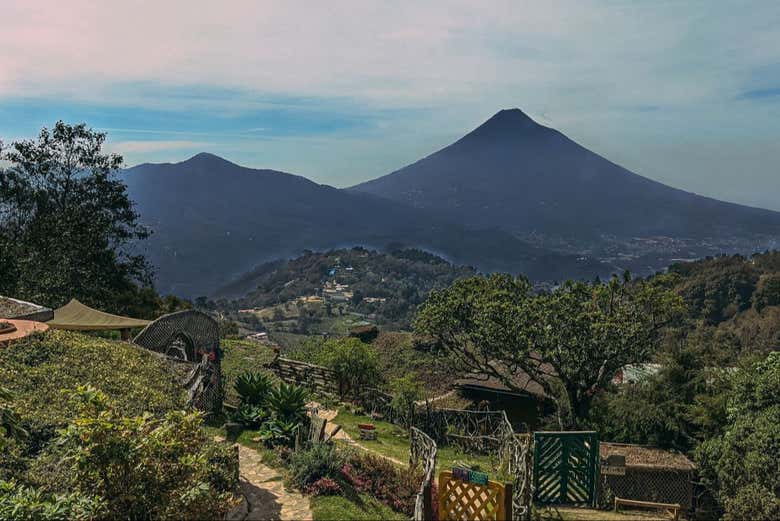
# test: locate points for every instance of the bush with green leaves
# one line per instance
(22, 503)
(308, 466)
(10, 423)
(356, 364)
(277, 432)
(144, 467)
(743, 464)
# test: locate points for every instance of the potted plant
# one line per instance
(367, 431)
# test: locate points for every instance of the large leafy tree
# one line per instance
(574, 338)
(743, 464)
(66, 222)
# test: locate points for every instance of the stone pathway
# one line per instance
(265, 496)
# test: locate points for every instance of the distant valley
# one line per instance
(510, 196)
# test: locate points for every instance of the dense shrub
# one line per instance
(324, 487)
(406, 391)
(308, 466)
(142, 467)
(374, 475)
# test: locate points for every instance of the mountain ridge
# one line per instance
(544, 181)
(214, 220)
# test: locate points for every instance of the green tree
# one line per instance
(768, 292)
(579, 334)
(406, 392)
(355, 363)
(66, 221)
(743, 464)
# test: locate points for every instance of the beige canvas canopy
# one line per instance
(76, 316)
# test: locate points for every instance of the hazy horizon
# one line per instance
(685, 94)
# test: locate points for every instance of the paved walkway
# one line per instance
(266, 497)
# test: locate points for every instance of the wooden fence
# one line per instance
(422, 454)
(315, 377)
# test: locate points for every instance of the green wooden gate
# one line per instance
(565, 467)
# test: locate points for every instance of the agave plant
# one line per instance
(288, 402)
(251, 416)
(252, 388)
(279, 432)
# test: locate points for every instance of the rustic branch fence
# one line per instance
(422, 454)
(483, 432)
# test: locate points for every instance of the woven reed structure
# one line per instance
(651, 474)
(190, 337)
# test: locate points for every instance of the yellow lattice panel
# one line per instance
(464, 501)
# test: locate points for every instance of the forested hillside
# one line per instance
(733, 300)
(387, 285)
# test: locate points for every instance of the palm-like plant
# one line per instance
(252, 388)
(288, 402)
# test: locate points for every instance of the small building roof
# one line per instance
(19, 309)
(76, 316)
(520, 379)
(647, 457)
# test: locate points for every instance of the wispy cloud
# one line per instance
(142, 146)
(760, 94)
(350, 89)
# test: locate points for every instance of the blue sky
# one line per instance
(687, 93)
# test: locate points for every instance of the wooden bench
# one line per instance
(672, 509)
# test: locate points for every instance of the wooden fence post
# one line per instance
(508, 501)
(428, 503)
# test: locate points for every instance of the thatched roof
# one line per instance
(639, 456)
(76, 316)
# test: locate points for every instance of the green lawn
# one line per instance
(241, 356)
(393, 441)
(357, 507)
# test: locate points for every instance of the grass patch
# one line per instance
(38, 368)
(242, 356)
(393, 441)
(356, 507)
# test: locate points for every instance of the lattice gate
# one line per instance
(565, 467)
(461, 500)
